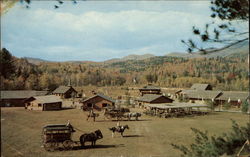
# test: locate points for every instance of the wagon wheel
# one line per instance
(51, 145)
(68, 144)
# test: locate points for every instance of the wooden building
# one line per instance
(153, 99)
(98, 102)
(16, 98)
(44, 103)
(201, 95)
(235, 98)
(65, 92)
(199, 86)
(150, 90)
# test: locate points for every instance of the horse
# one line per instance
(91, 137)
(92, 115)
(119, 129)
(132, 114)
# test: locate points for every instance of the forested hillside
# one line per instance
(224, 73)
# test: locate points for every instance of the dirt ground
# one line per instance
(148, 137)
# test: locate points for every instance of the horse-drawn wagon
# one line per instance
(115, 113)
(56, 136)
(60, 136)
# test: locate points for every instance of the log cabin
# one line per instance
(16, 98)
(98, 102)
(44, 103)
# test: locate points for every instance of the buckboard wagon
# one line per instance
(115, 113)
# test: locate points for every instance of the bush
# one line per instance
(206, 146)
(210, 104)
(226, 106)
(245, 107)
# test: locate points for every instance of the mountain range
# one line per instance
(236, 49)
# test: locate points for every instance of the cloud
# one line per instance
(99, 35)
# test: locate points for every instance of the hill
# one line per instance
(130, 57)
(236, 49)
(227, 70)
(35, 61)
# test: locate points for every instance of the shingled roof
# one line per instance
(21, 94)
(150, 97)
(102, 96)
(201, 94)
(199, 86)
(62, 89)
(233, 96)
(45, 99)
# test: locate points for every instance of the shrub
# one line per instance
(226, 105)
(245, 107)
(206, 146)
(210, 104)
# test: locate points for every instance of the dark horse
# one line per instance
(91, 137)
(119, 129)
(94, 115)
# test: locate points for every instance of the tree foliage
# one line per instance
(228, 143)
(222, 73)
(6, 63)
(245, 107)
(225, 31)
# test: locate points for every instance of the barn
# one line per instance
(65, 92)
(201, 95)
(98, 102)
(44, 103)
(150, 90)
(235, 98)
(153, 99)
(200, 86)
(16, 98)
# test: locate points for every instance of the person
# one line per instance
(118, 126)
(70, 126)
(91, 114)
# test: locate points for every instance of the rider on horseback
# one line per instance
(119, 127)
(70, 126)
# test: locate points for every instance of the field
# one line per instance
(149, 137)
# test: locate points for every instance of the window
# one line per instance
(39, 105)
(89, 105)
(104, 105)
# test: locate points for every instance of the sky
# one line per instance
(100, 30)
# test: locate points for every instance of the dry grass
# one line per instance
(21, 133)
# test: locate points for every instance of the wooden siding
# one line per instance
(98, 103)
(34, 105)
(12, 103)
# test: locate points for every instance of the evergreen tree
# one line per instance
(6, 63)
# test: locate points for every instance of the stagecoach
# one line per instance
(59, 136)
(56, 136)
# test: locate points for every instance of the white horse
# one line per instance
(132, 114)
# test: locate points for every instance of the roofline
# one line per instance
(96, 96)
(155, 98)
